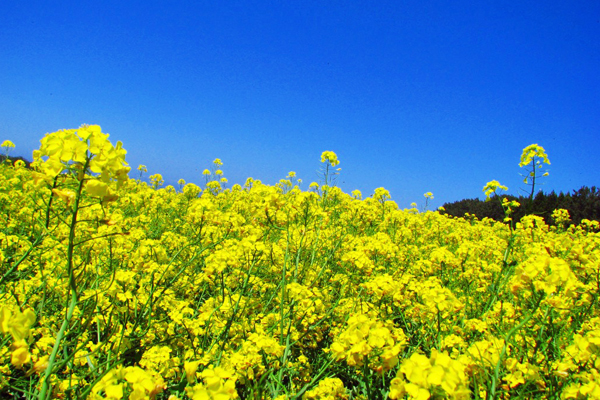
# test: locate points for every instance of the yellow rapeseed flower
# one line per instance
(96, 188)
(66, 195)
(381, 194)
(531, 151)
(20, 354)
(331, 157)
(491, 188)
(328, 388)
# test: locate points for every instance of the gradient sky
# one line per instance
(414, 96)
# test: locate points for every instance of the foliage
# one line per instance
(112, 288)
(581, 204)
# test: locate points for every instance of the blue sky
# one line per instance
(414, 96)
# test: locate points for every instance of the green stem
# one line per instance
(530, 202)
(283, 286)
(72, 230)
(72, 289)
(50, 202)
(59, 337)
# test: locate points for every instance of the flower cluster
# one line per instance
(531, 152)
(368, 340)
(330, 157)
(421, 377)
(116, 288)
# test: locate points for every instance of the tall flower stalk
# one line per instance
(533, 159)
(86, 154)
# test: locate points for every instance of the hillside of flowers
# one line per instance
(113, 288)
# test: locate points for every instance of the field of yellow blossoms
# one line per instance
(112, 288)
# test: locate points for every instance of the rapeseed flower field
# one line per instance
(112, 288)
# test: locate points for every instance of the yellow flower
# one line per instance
(328, 388)
(114, 391)
(424, 374)
(65, 195)
(397, 388)
(416, 369)
(532, 151)
(7, 144)
(218, 384)
(491, 188)
(381, 195)
(40, 365)
(20, 354)
(16, 323)
(367, 338)
(86, 144)
(138, 376)
(191, 190)
(357, 194)
(331, 157)
(156, 180)
(416, 392)
(96, 188)
(561, 217)
(190, 368)
(214, 187)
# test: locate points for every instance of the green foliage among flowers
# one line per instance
(111, 288)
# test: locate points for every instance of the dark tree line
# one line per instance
(13, 159)
(581, 204)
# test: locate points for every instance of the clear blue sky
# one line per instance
(414, 96)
